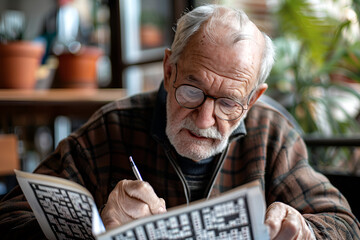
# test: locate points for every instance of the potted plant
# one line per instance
(19, 59)
(77, 66)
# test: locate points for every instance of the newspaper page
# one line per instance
(64, 209)
(237, 214)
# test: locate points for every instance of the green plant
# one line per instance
(12, 26)
(314, 75)
(313, 53)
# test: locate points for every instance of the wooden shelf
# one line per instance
(60, 96)
(81, 103)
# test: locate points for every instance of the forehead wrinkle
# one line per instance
(194, 54)
(244, 75)
(242, 72)
(237, 75)
(237, 93)
(232, 91)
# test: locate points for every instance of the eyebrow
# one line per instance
(193, 79)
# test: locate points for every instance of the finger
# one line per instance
(109, 219)
(274, 217)
(130, 200)
(162, 209)
(135, 208)
(126, 213)
(113, 218)
(290, 227)
(122, 208)
(144, 192)
(112, 215)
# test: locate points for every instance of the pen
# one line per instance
(135, 169)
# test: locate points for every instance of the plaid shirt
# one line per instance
(269, 150)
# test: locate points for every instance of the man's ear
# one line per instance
(258, 92)
(167, 68)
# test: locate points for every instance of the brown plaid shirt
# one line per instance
(269, 150)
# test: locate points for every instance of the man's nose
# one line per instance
(205, 117)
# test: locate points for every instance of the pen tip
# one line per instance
(131, 161)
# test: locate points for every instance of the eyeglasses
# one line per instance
(191, 97)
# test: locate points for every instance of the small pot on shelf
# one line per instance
(79, 70)
(19, 62)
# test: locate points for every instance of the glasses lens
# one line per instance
(189, 96)
(228, 109)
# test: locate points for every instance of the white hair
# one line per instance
(191, 22)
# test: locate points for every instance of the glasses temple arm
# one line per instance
(251, 95)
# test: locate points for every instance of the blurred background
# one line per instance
(81, 54)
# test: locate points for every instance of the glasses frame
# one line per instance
(211, 97)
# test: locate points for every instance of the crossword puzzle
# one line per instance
(68, 213)
(228, 220)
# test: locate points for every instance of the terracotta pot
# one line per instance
(79, 70)
(19, 62)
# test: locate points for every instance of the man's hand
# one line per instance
(131, 200)
(285, 222)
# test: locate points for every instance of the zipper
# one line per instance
(219, 165)
(180, 174)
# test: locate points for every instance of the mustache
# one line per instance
(211, 132)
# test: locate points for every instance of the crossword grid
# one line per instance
(68, 213)
(227, 220)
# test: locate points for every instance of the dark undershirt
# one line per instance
(197, 175)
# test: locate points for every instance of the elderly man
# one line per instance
(202, 133)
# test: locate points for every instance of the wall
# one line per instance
(35, 12)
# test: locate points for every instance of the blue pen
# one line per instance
(135, 169)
